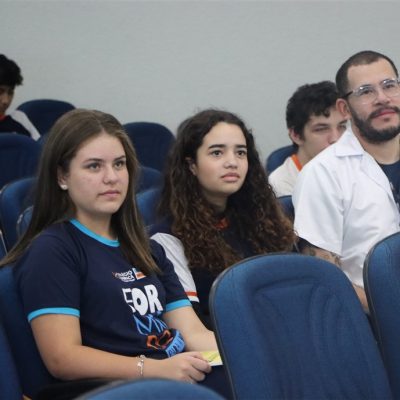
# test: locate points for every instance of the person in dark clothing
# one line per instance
(17, 121)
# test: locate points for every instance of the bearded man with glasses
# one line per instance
(347, 198)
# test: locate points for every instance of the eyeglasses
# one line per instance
(367, 94)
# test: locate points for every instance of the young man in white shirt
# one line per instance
(17, 121)
(314, 123)
(346, 198)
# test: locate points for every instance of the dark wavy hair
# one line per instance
(310, 99)
(364, 57)
(52, 204)
(253, 210)
(10, 73)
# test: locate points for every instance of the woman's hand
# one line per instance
(188, 367)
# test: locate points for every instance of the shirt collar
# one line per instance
(348, 145)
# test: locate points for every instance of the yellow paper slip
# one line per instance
(212, 357)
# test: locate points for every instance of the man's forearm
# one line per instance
(334, 258)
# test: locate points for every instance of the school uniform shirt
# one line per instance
(344, 203)
(197, 282)
(283, 178)
(70, 270)
(18, 122)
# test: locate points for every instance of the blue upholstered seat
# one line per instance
(382, 287)
(32, 373)
(43, 113)
(147, 204)
(290, 326)
(148, 178)
(10, 387)
(19, 157)
(15, 197)
(277, 157)
(151, 389)
(152, 142)
(287, 205)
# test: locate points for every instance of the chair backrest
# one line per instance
(382, 287)
(148, 178)
(10, 387)
(32, 373)
(43, 113)
(3, 249)
(19, 157)
(290, 326)
(277, 157)
(151, 389)
(287, 205)
(147, 203)
(23, 221)
(15, 197)
(152, 142)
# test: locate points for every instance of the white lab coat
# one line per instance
(344, 204)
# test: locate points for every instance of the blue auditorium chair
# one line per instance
(287, 205)
(290, 326)
(43, 113)
(382, 287)
(32, 373)
(147, 204)
(3, 249)
(10, 387)
(151, 389)
(23, 220)
(15, 197)
(19, 157)
(148, 178)
(152, 142)
(277, 157)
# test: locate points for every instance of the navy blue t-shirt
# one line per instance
(392, 171)
(71, 270)
(204, 278)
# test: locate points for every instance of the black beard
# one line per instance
(372, 135)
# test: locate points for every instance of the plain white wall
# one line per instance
(163, 60)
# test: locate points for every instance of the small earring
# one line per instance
(64, 187)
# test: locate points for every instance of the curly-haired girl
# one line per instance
(218, 203)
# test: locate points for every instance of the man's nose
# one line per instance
(381, 96)
(335, 135)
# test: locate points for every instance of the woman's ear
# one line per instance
(61, 179)
(191, 165)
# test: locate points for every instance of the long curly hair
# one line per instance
(253, 211)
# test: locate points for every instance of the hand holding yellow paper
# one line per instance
(213, 357)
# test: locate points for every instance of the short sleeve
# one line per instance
(283, 178)
(175, 253)
(49, 276)
(175, 294)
